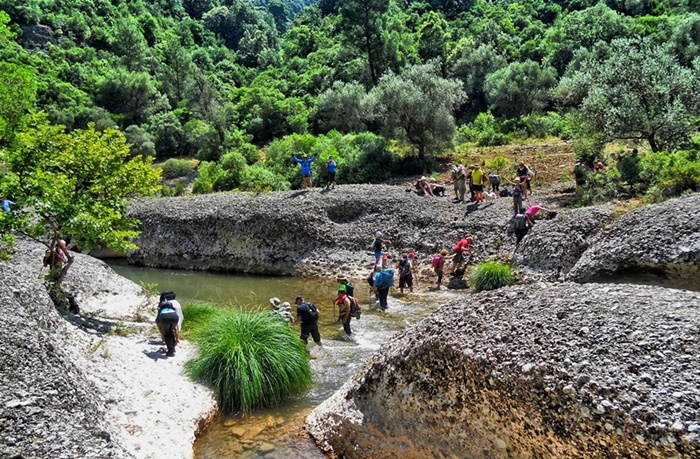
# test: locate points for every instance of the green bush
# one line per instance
(174, 168)
(197, 316)
(672, 173)
(257, 178)
(491, 275)
(251, 360)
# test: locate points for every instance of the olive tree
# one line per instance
(417, 106)
(635, 89)
(519, 88)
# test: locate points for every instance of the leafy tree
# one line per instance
(17, 95)
(433, 34)
(129, 43)
(418, 106)
(635, 89)
(362, 22)
(519, 88)
(131, 94)
(685, 40)
(74, 185)
(472, 66)
(342, 108)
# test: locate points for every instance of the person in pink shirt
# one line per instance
(532, 211)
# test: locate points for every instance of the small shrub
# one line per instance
(251, 360)
(174, 168)
(197, 316)
(491, 275)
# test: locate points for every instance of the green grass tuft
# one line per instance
(491, 275)
(197, 316)
(250, 359)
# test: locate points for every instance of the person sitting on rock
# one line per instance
(435, 188)
(422, 187)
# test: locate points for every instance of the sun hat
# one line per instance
(275, 302)
(286, 306)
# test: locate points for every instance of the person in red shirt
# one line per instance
(464, 245)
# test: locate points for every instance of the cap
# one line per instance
(411, 255)
(298, 298)
(378, 234)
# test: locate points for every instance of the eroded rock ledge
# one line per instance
(540, 371)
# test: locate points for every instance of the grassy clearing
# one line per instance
(251, 359)
(491, 275)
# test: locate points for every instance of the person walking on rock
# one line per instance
(461, 183)
(307, 314)
(331, 167)
(439, 265)
(377, 247)
(405, 267)
(305, 170)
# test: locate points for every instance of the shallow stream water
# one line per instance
(277, 432)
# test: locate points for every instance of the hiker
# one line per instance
(453, 176)
(495, 181)
(463, 245)
(305, 170)
(59, 255)
(524, 173)
(344, 305)
(345, 283)
(520, 227)
(377, 246)
(435, 188)
(439, 265)
(580, 170)
(331, 168)
(531, 212)
(307, 314)
(461, 183)
(405, 267)
(422, 187)
(477, 180)
(282, 310)
(169, 320)
(383, 281)
(6, 203)
(517, 192)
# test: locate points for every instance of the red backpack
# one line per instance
(436, 260)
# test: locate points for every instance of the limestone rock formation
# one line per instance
(542, 371)
(662, 238)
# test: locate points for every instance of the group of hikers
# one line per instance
(306, 179)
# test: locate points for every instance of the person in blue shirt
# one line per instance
(331, 166)
(6, 203)
(305, 170)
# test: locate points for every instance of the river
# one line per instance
(277, 432)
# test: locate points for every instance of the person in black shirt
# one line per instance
(307, 314)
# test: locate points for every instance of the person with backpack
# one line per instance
(453, 176)
(331, 167)
(495, 181)
(344, 303)
(463, 245)
(307, 315)
(169, 320)
(305, 170)
(520, 227)
(518, 192)
(525, 174)
(383, 281)
(405, 267)
(439, 265)
(343, 282)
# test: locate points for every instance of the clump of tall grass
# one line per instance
(251, 359)
(197, 315)
(491, 275)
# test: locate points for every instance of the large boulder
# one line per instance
(548, 371)
(662, 239)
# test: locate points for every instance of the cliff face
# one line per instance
(49, 408)
(317, 233)
(540, 371)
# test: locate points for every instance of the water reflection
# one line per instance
(277, 433)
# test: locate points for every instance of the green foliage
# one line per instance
(198, 316)
(251, 360)
(485, 130)
(207, 173)
(491, 275)
(257, 178)
(174, 168)
(672, 173)
(500, 164)
(519, 88)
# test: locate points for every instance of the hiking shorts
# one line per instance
(306, 175)
(331, 176)
(310, 329)
(378, 255)
(406, 281)
(459, 257)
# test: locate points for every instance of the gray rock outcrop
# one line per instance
(48, 408)
(662, 238)
(541, 371)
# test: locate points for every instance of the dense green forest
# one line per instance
(382, 85)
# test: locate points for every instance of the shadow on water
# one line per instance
(277, 432)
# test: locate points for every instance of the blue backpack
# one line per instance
(386, 279)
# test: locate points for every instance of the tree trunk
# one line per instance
(61, 298)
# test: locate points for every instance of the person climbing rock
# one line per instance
(463, 245)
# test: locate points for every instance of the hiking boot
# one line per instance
(170, 353)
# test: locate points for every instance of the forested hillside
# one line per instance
(382, 85)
